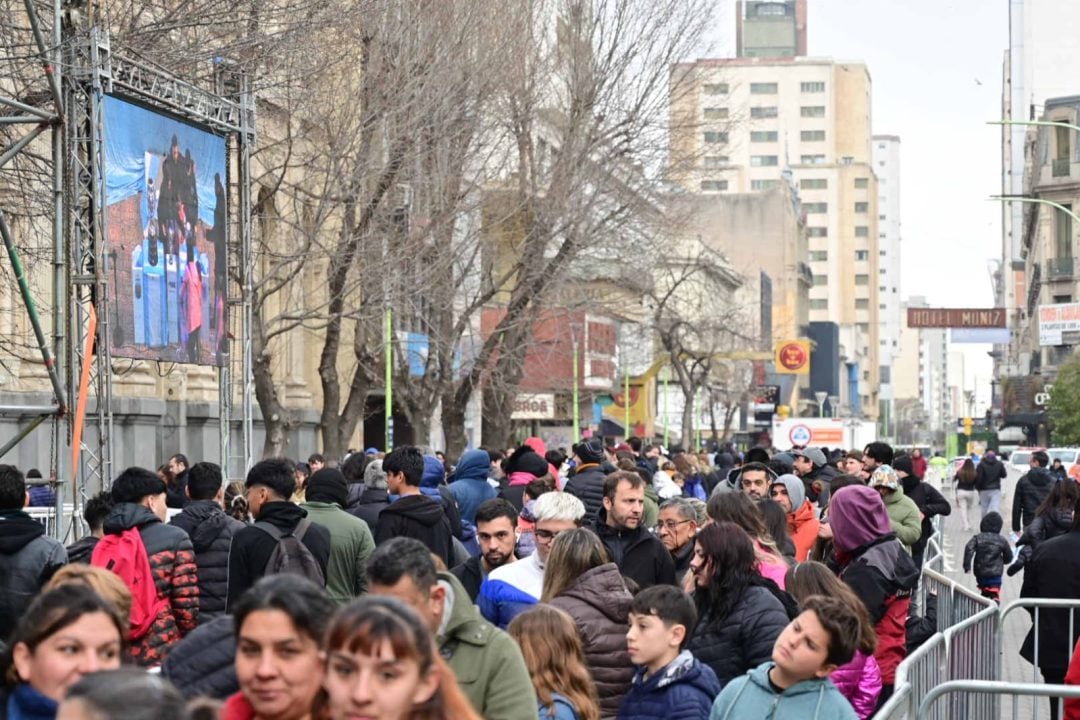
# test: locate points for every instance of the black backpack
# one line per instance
(290, 555)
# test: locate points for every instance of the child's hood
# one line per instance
(816, 686)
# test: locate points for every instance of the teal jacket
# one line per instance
(751, 696)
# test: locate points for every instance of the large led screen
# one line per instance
(166, 259)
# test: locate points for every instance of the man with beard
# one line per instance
(754, 479)
(639, 554)
(677, 528)
(811, 465)
(496, 521)
(875, 455)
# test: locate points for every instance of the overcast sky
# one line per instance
(936, 69)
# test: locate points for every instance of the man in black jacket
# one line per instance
(988, 477)
(587, 481)
(178, 468)
(496, 520)
(813, 468)
(929, 501)
(413, 514)
(1031, 490)
(211, 531)
(639, 554)
(95, 511)
(268, 486)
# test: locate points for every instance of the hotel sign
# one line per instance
(956, 317)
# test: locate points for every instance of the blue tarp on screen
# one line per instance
(132, 131)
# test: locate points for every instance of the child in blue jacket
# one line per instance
(670, 684)
(795, 685)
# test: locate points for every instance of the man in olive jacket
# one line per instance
(486, 661)
(351, 543)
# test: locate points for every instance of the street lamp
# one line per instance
(820, 396)
(834, 404)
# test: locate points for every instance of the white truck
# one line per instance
(846, 433)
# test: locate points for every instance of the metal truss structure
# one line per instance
(79, 70)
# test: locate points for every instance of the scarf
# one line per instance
(26, 703)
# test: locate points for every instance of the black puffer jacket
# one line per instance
(1054, 572)
(600, 605)
(640, 555)
(989, 474)
(587, 485)
(1049, 525)
(930, 503)
(1031, 490)
(202, 664)
(989, 550)
(211, 532)
(368, 504)
(419, 517)
(744, 639)
(28, 558)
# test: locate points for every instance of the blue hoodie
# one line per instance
(752, 696)
(682, 690)
(470, 486)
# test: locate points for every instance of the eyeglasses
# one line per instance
(547, 535)
(671, 525)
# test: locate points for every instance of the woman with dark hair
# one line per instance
(66, 633)
(236, 503)
(1052, 518)
(775, 518)
(580, 579)
(521, 468)
(125, 694)
(280, 622)
(738, 508)
(381, 662)
(739, 619)
(967, 496)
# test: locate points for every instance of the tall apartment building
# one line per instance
(739, 124)
(770, 28)
(887, 168)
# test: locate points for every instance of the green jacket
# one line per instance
(651, 515)
(351, 544)
(486, 661)
(904, 517)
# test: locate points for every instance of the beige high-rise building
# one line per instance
(738, 124)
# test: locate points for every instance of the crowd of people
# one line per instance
(610, 582)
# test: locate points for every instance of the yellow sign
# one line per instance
(792, 357)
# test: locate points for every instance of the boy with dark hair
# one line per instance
(211, 531)
(413, 514)
(28, 557)
(95, 511)
(795, 683)
(139, 505)
(268, 487)
(669, 681)
(991, 552)
(876, 454)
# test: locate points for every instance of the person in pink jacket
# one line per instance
(191, 292)
(859, 680)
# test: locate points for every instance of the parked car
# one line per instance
(1068, 456)
(1021, 458)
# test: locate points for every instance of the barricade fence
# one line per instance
(995, 691)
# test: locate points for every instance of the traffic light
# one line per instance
(967, 426)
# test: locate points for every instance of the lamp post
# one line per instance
(820, 396)
(834, 404)
(1026, 198)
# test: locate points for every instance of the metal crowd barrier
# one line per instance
(1038, 608)
(991, 690)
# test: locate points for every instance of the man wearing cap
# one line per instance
(904, 515)
(810, 464)
(587, 481)
(351, 541)
(789, 492)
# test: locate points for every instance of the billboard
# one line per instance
(165, 209)
(792, 357)
(956, 317)
(1055, 320)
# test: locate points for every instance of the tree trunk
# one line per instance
(498, 405)
(453, 423)
(276, 418)
(688, 418)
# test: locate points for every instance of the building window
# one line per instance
(862, 254)
(1062, 299)
(763, 88)
(713, 185)
(817, 232)
(764, 184)
(764, 160)
(1062, 157)
(1063, 232)
(819, 255)
(862, 304)
(819, 304)
(821, 280)
(715, 161)
(814, 184)
(812, 87)
(764, 136)
(862, 207)
(759, 113)
(714, 137)
(861, 183)
(863, 327)
(812, 111)
(881, 253)
(862, 279)
(812, 136)
(716, 113)
(880, 217)
(812, 159)
(815, 208)
(715, 89)
(862, 231)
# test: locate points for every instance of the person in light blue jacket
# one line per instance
(795, 684)
(469, 485)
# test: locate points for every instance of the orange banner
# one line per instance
(84, 388)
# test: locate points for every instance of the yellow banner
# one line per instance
(792, 357)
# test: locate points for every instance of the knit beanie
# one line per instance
(327, 485)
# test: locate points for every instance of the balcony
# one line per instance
(1061, 167)
(1062, 268)
(806, 274)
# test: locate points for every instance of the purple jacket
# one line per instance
(860, 682)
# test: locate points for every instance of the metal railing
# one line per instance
(994, 690)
